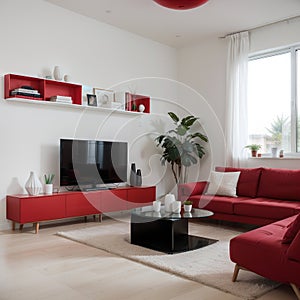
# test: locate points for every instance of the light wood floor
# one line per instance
(45, 266)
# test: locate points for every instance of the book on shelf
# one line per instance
(34, 95)
(22, 90)
(61, 99)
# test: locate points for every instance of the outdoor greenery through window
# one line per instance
(273, 118)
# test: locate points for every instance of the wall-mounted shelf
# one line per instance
(46, 88)
(72, 106)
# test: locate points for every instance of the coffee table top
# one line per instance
(147, 212)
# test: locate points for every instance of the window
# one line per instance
(273, 120)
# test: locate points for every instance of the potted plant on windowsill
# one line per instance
(49, 183)
(187, 205)
(254, 148)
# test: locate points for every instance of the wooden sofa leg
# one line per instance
(296, 290)
(235, 272)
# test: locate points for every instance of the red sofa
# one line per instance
(265, 195)
(263, 252)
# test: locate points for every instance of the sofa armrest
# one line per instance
(293, 251)
(186, 190)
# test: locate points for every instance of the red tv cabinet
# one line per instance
(35, 209)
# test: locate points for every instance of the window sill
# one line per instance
(277, 158)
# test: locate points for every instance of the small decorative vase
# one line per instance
(187, 208)
(48, 188)
(176, 207)
(67, 78)
(57, 73)
(169, 199)
(156, 206)
(132, 179)
(141, 108)
(33, 185)
(274, 151)
(138, 178)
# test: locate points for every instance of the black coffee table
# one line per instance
(166, 232)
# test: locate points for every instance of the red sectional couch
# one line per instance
(265, 195)
(263, 252)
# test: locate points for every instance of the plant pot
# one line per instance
(48, 188)
(254, 153)
(187, 208)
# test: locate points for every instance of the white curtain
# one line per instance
(236, 131)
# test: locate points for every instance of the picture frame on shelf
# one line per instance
(105, 97)
(91, 100)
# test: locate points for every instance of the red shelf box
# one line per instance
(47, 88)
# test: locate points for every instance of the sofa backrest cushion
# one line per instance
(293, 251)
(279, 184)
(292, 229)
(248, 181)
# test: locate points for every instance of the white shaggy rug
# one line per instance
(210, 265)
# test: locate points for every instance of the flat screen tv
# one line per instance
(90, 163)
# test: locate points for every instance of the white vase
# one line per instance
(33, 185)
(274, 151)
(156, 205)
(48, 188)
(57, 73)
(169, 199)
(141, 108)
(176, 207)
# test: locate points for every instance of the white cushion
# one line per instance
(223, 183)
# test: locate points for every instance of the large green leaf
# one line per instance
(189, 121)
(199, 135)
(173, 117)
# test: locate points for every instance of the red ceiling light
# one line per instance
(181, 4)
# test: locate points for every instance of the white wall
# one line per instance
(36, 36)
(203, 67)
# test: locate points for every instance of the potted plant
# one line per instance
(254, 148)
(187, 205)
(49, 183)
(180, 147)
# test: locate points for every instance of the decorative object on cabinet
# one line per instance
(138, 177)
(49, 183)
(104, 97)
(33, 185)
(132, 178)
(91, 100)
(47, 88)
(57, 74)
(132, 102)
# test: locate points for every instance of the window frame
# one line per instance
(294, 105)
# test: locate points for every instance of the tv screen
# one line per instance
(91, 163)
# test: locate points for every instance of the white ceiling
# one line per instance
(179, 28)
